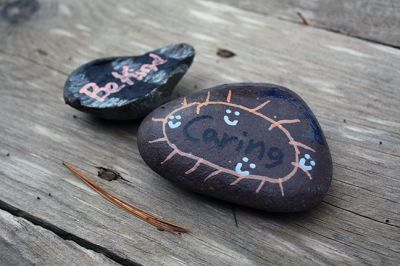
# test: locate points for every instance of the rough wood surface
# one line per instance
(351, 85)
(22, 243)
(375, 20)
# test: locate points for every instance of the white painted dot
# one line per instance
(312, 163)
(178, 117)
(171, 117)
(252, 165)
(237, 113)
(307, 156)
(245, 159)
(228, 111)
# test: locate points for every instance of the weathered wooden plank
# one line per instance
(22, 243)
(340, 77)
(377, 20)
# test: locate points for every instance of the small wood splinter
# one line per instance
(147, 217)
(304, 21)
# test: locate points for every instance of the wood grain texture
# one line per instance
(350, 84)
(22, 243)
(376, 20)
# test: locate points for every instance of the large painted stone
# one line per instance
(124, 88)
(257, 145)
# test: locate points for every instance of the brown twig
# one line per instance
(149, 218)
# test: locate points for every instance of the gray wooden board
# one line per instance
(375, 20)
(22, 243)
(340, 77)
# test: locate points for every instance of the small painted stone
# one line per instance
(257, 145)
(124, 88)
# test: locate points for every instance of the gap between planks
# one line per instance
(66, 235)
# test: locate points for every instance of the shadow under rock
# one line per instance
(111, 126)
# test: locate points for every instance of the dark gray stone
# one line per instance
(124, 88)
(257, 145)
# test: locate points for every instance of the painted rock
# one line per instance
(123, 88)
(257, 145)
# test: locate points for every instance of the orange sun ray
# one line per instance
(281, 187)
(261, 106)
(212, 174)
(237, 181)
(158, 119)
(158, 140)
(194, 167)
(260, 186)
(228, 98)
(170, 156)
(208, 97)
(304, 170)
(282, 122)
(299, 144)
(184, 103)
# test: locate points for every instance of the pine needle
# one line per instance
(147, 217)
